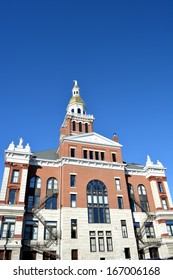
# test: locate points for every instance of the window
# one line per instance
(51, 202)
(143, 198)
(73, 200)
(91, 154)
(15, 176)
(124, 229)
(109, 241)
(86, 127)
(132, 198)
(30, 202)
(164, 204)
(160, 187)
(80, 127)
(85, 152)
(97, 198)
(74, 254)
(5, 254)
(73, 228)
(79, 111)
(49, 255)
(7, 229)
(96, 155)
(114, 157)
(31, 230)
(50, 231)
(92, 241)
(117, 184)
(101, 244)
(72, 152)
(52, 184)
(102, 155)
(51, 193)
(12, 196)
(120, 202)
(169, 226)
(149, 229)
(74, 126)
(72, 180)
(35, 183)
(127, 253)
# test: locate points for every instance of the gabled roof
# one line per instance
(92, 138)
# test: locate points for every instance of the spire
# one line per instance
(75, 89)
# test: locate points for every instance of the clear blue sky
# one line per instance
(121, 53)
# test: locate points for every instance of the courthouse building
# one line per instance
(81, 200)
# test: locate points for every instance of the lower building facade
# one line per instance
(81, 201)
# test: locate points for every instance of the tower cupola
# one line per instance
(76, 104)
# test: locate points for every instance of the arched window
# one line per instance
(79, 111)
(86, 127)
(80, 127)
(74, 126)
(97, 199)
(131, 198)
(143, 198)
(34, 192)
(51, 193)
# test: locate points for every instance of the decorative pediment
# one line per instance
(92, 138)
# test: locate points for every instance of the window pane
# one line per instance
(15, 176)
(12, 196)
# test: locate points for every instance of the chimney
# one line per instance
(115, 138)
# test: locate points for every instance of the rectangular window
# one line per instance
(50, 230)
(72, 180)
(124, 229)
(51, 203)
(102, 155)
(7, 229)
(73, 228)
(5, 254)
(160, 187)
(91, 154)
(114, 157)
(73, 200)
(120, 202)
(101, 244)
(127, 253)
(164, 204)
(117, 184)
(109, 241)
(15, 176)
(30, 201)
(169, 226)
(31, 230)
(96, 155)
(12, 196)
(72, 152)
(92, 241)
(149, 229)
(49, 255)
(74, 254)
(85, 154)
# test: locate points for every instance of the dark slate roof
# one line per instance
(46, 154)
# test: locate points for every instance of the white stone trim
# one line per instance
(23, 185)
(4, 183)
(155, 193)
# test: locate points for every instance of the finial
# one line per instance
(75, 83)
(149, 162)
